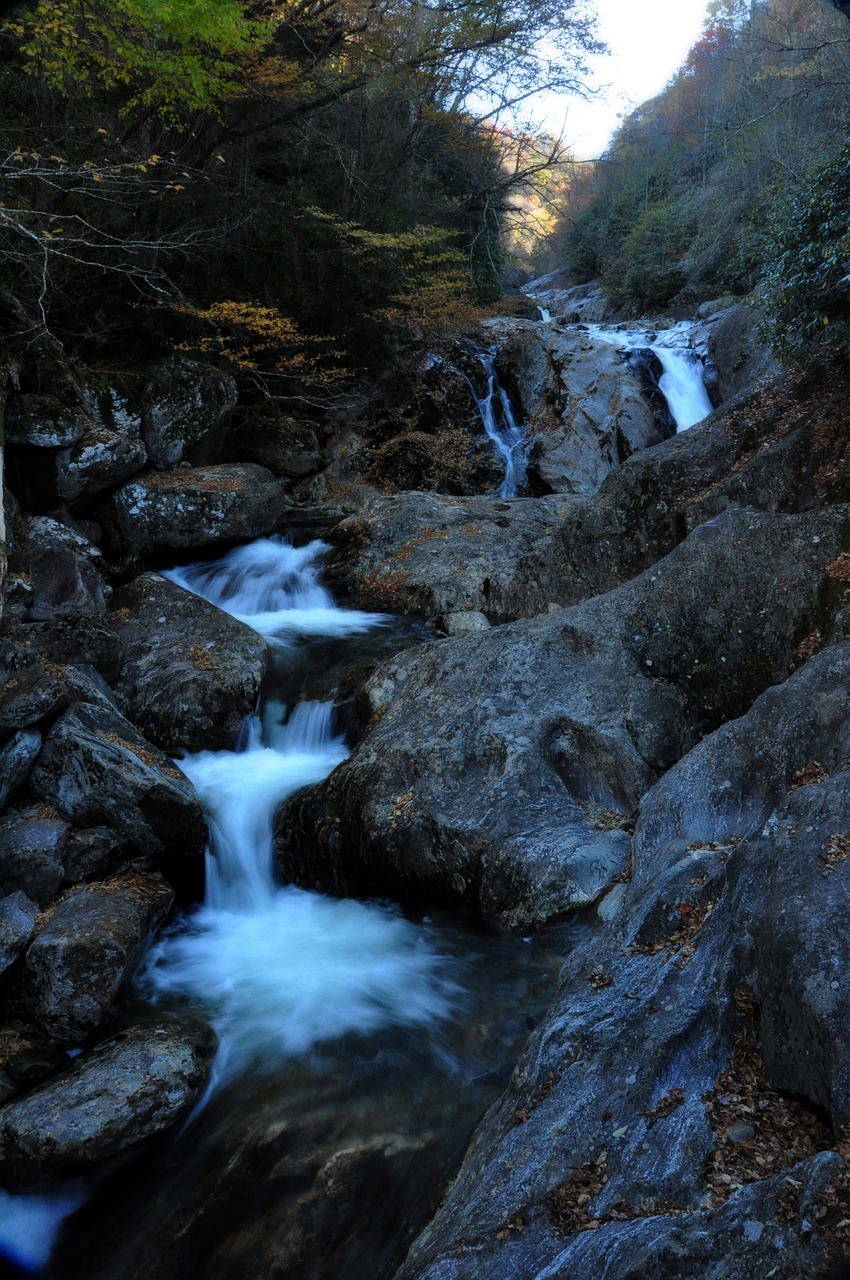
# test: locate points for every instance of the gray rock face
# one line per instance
(284, 445)
(85, 947)
(32, 853)
(481, 779)
(190, 508)
(192, 672)
(99, 460)
(26, 697)
(592, 416)
(729, 892)
(16, 762)
(739, 357)
(129, 1088)
(44, 533)
(184, 406)
(580, 304)
(43, 421)
(98, 769)
(422, 553)
(17, 921)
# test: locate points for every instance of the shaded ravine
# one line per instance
(349, 1036)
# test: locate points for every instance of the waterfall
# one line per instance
(501, 427)
(681, 382)
(278, 970)
(274, 588)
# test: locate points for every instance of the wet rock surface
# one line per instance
(128, 1089)
(191, 672)
(591, 411)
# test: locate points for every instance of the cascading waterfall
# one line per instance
(681, 382)
(278, 970)
(502, 428)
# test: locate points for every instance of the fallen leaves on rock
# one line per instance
(599, 979)
(785, 1130)
(809, 776)
(682, 941)
(837, 851)
(664, 1106)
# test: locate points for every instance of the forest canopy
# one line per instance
(319, 158)
(713, 186)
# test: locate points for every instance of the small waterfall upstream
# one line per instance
(681, 382)
(502, 428)
(277, 969)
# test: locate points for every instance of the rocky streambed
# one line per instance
(607, 755)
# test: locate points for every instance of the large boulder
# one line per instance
(420, 553)
(84, 948)
(191, 507)
(32, 855)
(185, 407)
(500, 769)
(592, 415)
(191, 672)
(44, 422)
(644, 1131)
(99, 460)
(99, 770)
(285, 446)
(129, 1088)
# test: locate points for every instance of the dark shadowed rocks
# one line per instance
(99, 770)
(126, 1090)
(17, 921)
(185, 408)
(642, 1132)
(83, 950)
(191, 672)
(190, 507)
(32, 855)
(17, 759)
(285, 446)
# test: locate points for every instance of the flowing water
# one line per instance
(348, 1034)
(502, 428)
(681, 382)
(276, 969)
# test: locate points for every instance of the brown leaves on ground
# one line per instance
(839, 570)
(784, 1130)
(665, 1106)
(837, 851)
(569, 1204)
(811, 775)
(682, 941)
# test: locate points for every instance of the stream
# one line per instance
(349, 1034)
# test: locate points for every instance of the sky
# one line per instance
(648, 40)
